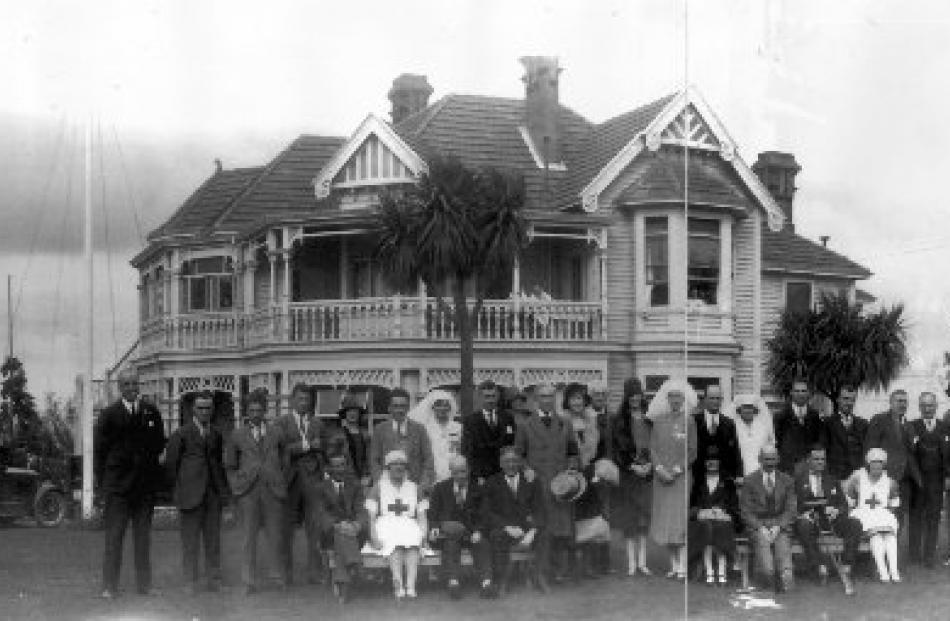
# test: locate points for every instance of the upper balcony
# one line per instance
(395, 318)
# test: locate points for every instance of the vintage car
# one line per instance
(30, 492)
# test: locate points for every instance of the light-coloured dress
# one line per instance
(446, 441)
(752, 437)
(397, 509)
(672, 443)
(873, 499)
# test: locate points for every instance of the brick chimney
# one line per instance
(409, 94)
(542, 111)
(777, 172)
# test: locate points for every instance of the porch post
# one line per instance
(602, 260)
(174, 303)
(344, 267)
(516, 295)
(423, 300)
(285, 298)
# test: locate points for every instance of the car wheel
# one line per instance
(49, 508)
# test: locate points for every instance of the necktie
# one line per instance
(769, 483)
(713, 425)
(930, 424)
(339, 492)
(459, 496)
(815, 486)
(513, 484)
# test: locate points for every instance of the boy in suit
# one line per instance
(767, 508)
(405, 435)
(512, 513)
(129, 438)
(485, 432)
(843, 436)
(455, 523)
(253, 458)
(306, 441)
(344, 522)
(822, 507)
(194, 463)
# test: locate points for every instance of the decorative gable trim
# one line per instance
(538, 160)
(676, 121)
(371, 126)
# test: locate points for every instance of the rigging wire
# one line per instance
(128, 186)
(108, 247)
(38, 223)
(61, 249)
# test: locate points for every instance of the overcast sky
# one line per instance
(857, 90)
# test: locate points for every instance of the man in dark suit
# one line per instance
(512, 513)
(768, 510)
(843, 435)
(344, 522)
(823, 507)
(796, 429)
(401, 433)
(455, 522)
(888, 430)
(306, 441)
(485, 432)
(129, 438)
(253, 458)
(195, 466)
(714, 429)
(930, 451)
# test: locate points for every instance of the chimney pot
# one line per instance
(824, 240)
(542, 108)
(777, 171)
(217, 165)
(409, 94)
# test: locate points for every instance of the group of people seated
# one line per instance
(814, 480)
(549, 479)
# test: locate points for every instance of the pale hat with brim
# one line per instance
(877, 454)
(395, 457)
(568, 486)
(607, 470)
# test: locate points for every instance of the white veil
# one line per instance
(422, 411)
(660, 407)
(763, 416)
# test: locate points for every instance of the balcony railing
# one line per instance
(375, 319)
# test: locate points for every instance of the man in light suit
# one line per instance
(253, 458)
(129, 438)
(400, 433)
(194, 464)
(548, 445)
(767, 507)
(888, 430)
(306, 441)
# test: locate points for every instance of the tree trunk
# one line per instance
(466, 347)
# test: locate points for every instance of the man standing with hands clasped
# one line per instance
(129, 438)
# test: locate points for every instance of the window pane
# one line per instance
(656, 270)
(703, 267)
(208, 265)
(798, 297)
(225, 293)
(198, 294)
(704, 226)
(655, 225)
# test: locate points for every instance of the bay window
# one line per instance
(208, 284)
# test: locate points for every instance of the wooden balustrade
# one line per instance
(374, 319)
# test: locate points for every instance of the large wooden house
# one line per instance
(654, 248)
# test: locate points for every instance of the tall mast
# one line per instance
(10, 313)
(87, 396)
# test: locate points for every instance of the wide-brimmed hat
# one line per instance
(877, 454)
(396, 456)
(607, 470)
(568, 486)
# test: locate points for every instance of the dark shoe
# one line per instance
(250, 589)
(541, 583)
(929, 563)
(107, 594)
(454, 589)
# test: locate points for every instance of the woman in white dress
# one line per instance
(437, 412)
(754, 429)
(398, 523)
(874, 497)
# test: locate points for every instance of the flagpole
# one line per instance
(87, 396)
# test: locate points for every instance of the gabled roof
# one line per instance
(787, 252)
(208, 202)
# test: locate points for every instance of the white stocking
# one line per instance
(890, 551)
(631, 554)
(641, 551)
(722, 564)
(877, 551)
(708, 560)
(412, 567)
(395, 566)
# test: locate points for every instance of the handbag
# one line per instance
(592, 530)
